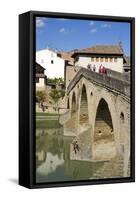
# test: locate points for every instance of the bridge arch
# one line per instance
(103, 121)
(83, 113)
(104, 131)
(73, 103)
(68, 104)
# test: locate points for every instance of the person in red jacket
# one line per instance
(100, 69)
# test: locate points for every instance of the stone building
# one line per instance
(109, 56)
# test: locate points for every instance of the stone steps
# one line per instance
(112, 168)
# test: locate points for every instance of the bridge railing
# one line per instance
(104, 80)
(121, 76)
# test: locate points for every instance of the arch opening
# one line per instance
(104, 141)
(73, 108)
(71, 123)
(68, 107)
(84, 118)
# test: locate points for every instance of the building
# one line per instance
(67, 56)
(42, 84)
(40, 77)
(109, 56)
(50, 60)
(127, 64)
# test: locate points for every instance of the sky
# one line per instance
(68, 34)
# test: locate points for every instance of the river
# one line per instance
(53, 162)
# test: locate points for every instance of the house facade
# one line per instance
(50, 60)
(40, 77)
(109, 56)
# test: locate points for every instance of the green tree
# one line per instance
(56, 95)
(55, 80)
(40, 97)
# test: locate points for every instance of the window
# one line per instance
(52, 61)
(115, 59)
(122, 118)
(101, 59)
(106, 59)
(97, 59)
(92, 59)
(37, 80)
(111, 59)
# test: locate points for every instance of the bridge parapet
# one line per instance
(121, 76)
(111, 83)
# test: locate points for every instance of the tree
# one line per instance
(55, 80)
(40, 97)
(56, 95)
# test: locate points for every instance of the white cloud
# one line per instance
(62, 30)
(106, 25)
(62, 19)
(40, 22)
(91, 23)
(93, 30)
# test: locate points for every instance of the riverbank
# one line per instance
(47, 120)
(46, 114)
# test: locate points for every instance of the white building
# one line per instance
(50, 60)
(109, 56)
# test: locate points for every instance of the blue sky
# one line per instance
(68, 34)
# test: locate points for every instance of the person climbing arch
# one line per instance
(75, 146)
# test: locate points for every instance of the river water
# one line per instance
(53, 162)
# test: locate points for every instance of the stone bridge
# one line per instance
(98, 117)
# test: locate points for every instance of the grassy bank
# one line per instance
(46, 114)
(48, 124)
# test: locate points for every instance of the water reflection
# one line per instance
(53, 160)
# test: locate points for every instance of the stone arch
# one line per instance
(104, 139)
(73, 103)
(68, 105)
(103, 121)
(83, 113)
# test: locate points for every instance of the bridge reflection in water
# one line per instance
(54, 162)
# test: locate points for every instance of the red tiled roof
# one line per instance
(101, 49)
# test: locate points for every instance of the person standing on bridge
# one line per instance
(104, 70)
(94, 68)
(100, 69)
(89, 66)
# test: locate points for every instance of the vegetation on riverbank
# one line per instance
(46, 114)
(48, 124)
